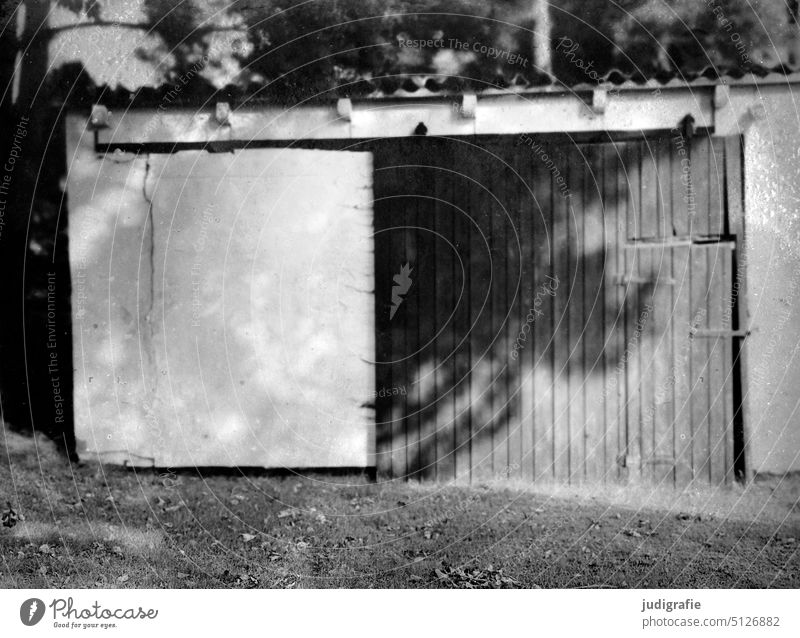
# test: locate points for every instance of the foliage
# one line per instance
(293, 50)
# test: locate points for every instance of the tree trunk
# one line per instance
(542, 49)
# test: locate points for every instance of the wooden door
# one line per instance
(522, 348)
(227, 316)
(679, 399)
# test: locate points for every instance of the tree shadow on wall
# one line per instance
(503, 357)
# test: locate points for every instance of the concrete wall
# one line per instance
(772, 221)
(226, 314)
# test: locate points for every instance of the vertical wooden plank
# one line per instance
(462, 188)
(613, 321)
(426, 290)
(718, 372)
(501, 315)
(507, 193)
(563, 257)
(663, 461)
(632, 352)
(680, 171)
(682, 368)
(481, 261)
(546, 244)
(441, 157)
(648, 270)
(622, 188)
(399, 323)
(716, 184)
(577, 318)
(597, 262)
(701, 151)
(699, 221)
(479, 308)
(699, 365)
(663, 306)
(412, 312)
(648, 214)
(728, 375)
(664, 175)
(632, 170)
(521, 445)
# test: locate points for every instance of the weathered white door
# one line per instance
(227, 314)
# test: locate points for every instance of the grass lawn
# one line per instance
(97, 526)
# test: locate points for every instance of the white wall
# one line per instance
(772, 219)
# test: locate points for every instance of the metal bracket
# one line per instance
(222, 113)
(100, 117)
(713, 333)
(678, 242)
(599, 101)
(469, 106)
(722, 96)
(344, 107)
(624, 280)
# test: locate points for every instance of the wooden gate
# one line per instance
(552, 310)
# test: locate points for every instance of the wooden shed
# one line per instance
(534, 285)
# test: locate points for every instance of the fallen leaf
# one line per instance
(10, 517)
(247, 580)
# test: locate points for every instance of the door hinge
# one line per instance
(711, 333)
(624, 280)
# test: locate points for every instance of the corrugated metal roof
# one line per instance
(404, 86)
(433, 85)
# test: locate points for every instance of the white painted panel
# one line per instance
(111, 284)
(232, 321)
(263, 310)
